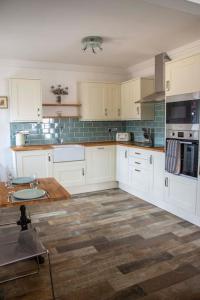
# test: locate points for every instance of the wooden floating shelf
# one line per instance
(60, 104)
(61, 117)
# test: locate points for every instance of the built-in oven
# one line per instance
(183, 109)
(189, 149)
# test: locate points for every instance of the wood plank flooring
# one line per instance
(110, 246)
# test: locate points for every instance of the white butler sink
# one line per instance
(71, 152)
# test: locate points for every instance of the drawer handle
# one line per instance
(137, 170)
(125, 154)
(151, 159)
(100, 148)
(138, 163)
(49, 157)
(138, 153)
(83, 171)
(166, 181)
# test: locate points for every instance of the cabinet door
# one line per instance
(91, 98)
(181, 192)
(112, 101)
(122, 164)
(34, 162)
(69, 173)
(127, 104)
(25, 100)
(100, 164)
(158, 176)
(182, 76)
(141, 180)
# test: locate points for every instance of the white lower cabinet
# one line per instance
(100, 164)
(140, 173)
(181, 192)
(122, 164)
(70, 173)
(27, 163)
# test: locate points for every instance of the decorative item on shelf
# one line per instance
(59, 91)
(3, 102)
(92, 42)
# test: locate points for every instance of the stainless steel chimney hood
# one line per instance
(159, 94)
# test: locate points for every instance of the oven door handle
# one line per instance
(187, 143)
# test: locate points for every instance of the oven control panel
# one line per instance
(186, 134)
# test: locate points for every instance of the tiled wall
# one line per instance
(71, 130)
(50, 130)
(158, 125)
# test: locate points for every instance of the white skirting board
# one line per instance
(92, 187)
(194, 219)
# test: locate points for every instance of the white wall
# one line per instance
(50, 74)
(146, 68)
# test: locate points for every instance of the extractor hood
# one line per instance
(159, 94)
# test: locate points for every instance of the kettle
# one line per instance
(20, 138)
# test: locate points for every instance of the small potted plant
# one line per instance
(59, 91)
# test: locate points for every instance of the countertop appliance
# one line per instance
(123, 136)
(183, 109)
(189, 142)
(64, 153)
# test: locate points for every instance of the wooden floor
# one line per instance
(111, 246)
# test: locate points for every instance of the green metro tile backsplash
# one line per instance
(73, 130)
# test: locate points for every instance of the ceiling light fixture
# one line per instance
(194, 1)
(92, 42)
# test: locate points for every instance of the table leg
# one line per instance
(23, 222)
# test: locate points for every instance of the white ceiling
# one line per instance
(134, 30)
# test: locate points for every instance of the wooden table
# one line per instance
(54, 191)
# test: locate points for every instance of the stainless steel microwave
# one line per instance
(181, 110)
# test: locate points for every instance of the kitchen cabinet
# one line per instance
(158, 176)
(181, 192)
(140, 172)
(27, 163)
(112, 101)
(182, 76)
(100, 164)
(70, 173)
(99, 101)
(25, 100)
(122, 164)
(132, 91)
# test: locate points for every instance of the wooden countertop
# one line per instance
(86, 144)
(55, 192)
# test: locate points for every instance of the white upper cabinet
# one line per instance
(25, 100)
(182, 76)
(132, 91)
(112, 101)
(99, 101)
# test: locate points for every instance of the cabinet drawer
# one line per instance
(140, 154)
(140, 162)
(140, 179)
